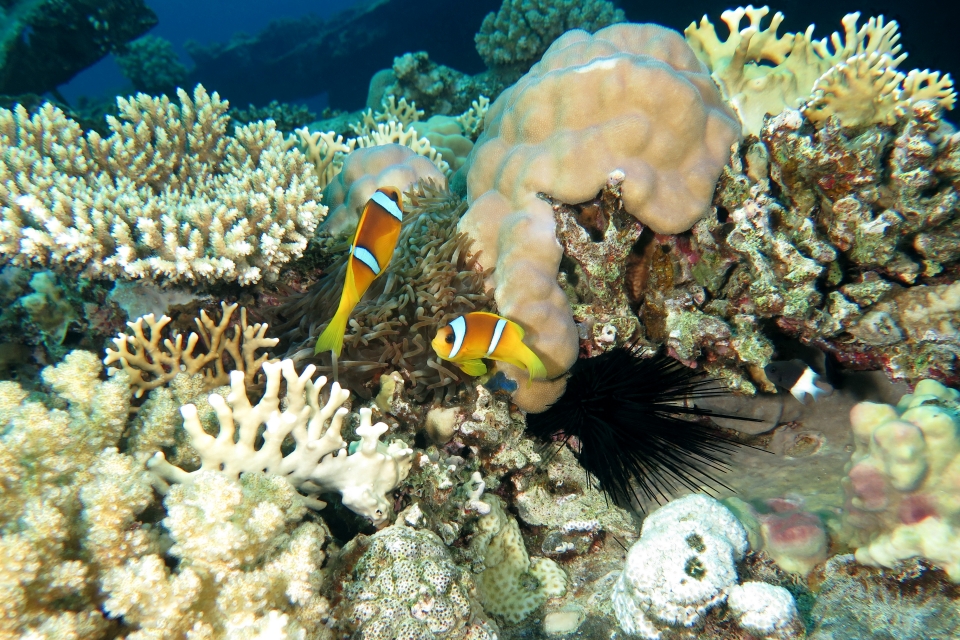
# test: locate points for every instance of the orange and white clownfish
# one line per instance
(370, 253)
(473, 336)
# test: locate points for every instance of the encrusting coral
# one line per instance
(827, 232)
(168, 197)
(430, 280)
(582, 113)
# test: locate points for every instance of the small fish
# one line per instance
(370, 253)
(798, 378)
(473, 336)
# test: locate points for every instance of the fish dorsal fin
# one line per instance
(493, 315)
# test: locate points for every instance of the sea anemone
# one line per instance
(631, 422)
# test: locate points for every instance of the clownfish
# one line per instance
(370, 253)
(473, 336)
(799, 378)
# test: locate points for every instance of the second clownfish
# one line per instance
(370, 253)
(471, 337)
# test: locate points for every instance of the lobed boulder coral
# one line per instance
(583, 112)
(903, 480)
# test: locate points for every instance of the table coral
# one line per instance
(902, 479)
(405, 585)
(574, 119)
(168, 196)
(320, 460)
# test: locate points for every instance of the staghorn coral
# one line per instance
(168, 196)
(562, 130)
(520, 32)
(430, 280)
(150, 365)
(853, 76)
(320, 461)
(392, 125)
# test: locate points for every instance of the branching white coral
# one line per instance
(320, 461)
(169, 196)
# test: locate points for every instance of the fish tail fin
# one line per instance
(332, 337)
(531, 362)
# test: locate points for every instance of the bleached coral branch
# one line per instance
(320, 461)
(168, 196)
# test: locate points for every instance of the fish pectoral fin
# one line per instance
(473, 367)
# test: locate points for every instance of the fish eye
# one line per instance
(449, 337)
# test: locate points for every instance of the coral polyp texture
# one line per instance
(169, 196)
(854, 76)
(320, 460)
(405, 585)
(904, 478)
(631, 99)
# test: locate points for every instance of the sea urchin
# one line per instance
(631, 423)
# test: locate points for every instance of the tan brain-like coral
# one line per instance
(366, 170)
(631, 102)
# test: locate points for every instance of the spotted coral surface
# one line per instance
(406, 586)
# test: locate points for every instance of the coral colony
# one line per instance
(499, 356)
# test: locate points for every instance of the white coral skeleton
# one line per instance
(321, 460)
